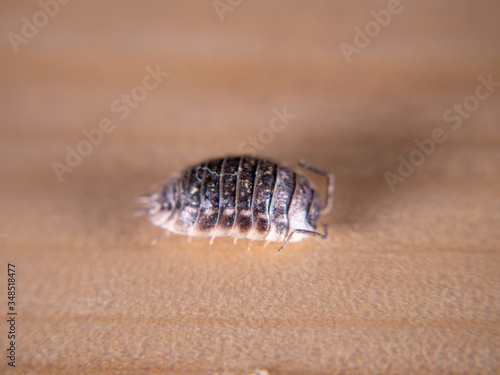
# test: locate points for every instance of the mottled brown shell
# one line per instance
(237, 196)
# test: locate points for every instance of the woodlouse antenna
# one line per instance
(330, 187)
(304, 231)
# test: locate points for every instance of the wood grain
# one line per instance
(408, 281)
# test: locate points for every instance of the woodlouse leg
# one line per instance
(330, 187)
(303, 231)
(235, 241)
(211, 242)
(249, 248)
(266, 244)
(155, 241)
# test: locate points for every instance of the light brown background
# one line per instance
(408, 282)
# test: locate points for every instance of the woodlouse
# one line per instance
(241, 197)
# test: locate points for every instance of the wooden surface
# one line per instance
(408, 281)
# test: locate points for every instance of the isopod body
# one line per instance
(241, 197)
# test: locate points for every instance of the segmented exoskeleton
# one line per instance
(241, 197)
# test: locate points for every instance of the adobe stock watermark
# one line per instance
(455, 116)
(266, 135)
(223, 6)
(122, 107)
(31, 26)
(372, 29)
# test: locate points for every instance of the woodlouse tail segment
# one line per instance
(150, 204)
(145, 199)
(140, 212)
(303, 231)
(330, 188)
